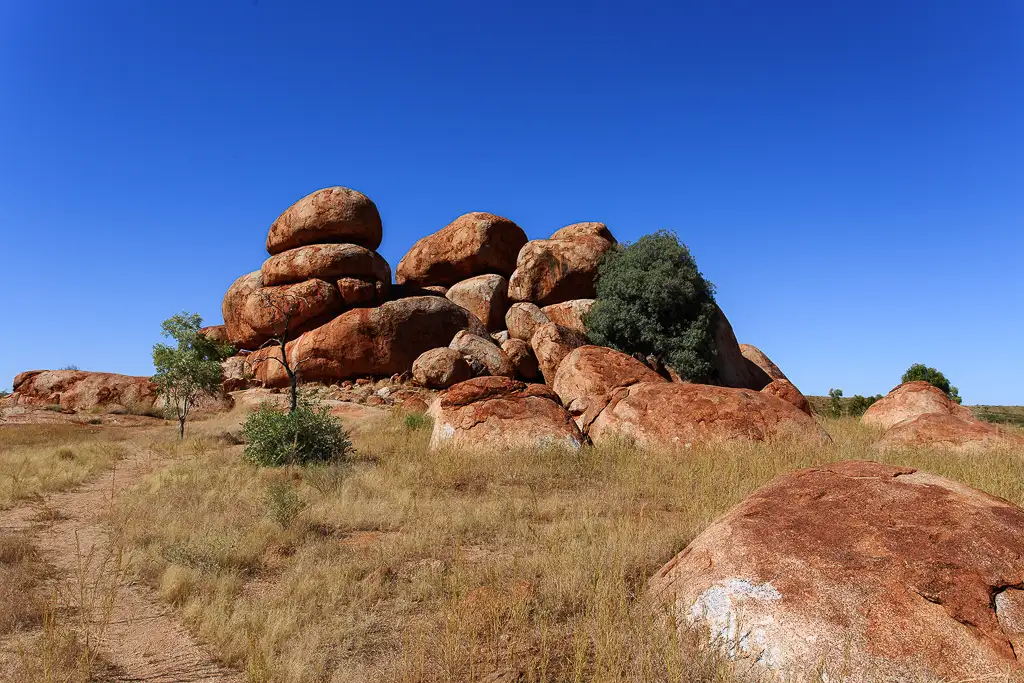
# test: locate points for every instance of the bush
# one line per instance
(70, 367)
(307, 435)
(835, 404)
(859, 404)
(652, 300)
(283, 503)
(921, 372)
(416, 421)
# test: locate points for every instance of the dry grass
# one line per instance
(39, 459)
(416, 566)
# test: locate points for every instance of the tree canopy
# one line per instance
(921, 372)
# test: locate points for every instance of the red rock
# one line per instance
(498, 412)
(551, 343)
(589, 373)
(236, 373)
(861, 571)
(950, 432)
(784, 389)
(520, 354)
(485, 296)
(254, 313)
(523, 319)
(440, 368)
(357, 292)
(325, 262)
(330, 215)
(731, 368)
(763, 362)
(217, 333)
(673, 414)
(76, 390)
(482, 354)
(472, 244)
(578, 230)
(911, 400)
(415, 404)
(558, 269)
(570, 313)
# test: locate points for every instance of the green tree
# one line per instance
(308, 434)
(921, 372)
(835, 404)
(190, 368)
(653, 300)
(859, 404)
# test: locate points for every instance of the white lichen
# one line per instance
(729, 610)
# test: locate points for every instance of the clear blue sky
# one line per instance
(850, 178)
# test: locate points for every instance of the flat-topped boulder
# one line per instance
(911, 400)
(330, 215)
(860, 572)
(325, 262)
(254, 313)
(949, 432)
(561, 268)
(498, 412)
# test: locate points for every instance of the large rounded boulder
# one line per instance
(787, 391)
(757, 357)
(860, 572)
(327, 216)
(485, 296)
(571, 314)
(254, 313)
(551, 343)
(440, 368)
(498, 412)
(911, 400)
(522, 320)
(483, 355)
(473, 244)
(656, 414)
(81, 390)
(949, 432)
(561, 268)
(325, 262)
(589, 373)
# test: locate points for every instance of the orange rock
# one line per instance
(570, 313)
(330, 215)
(758, 358)
(482, 354)
(732, 369)
(948, 432)
(80, 390)
(217, 333)
(440, 368)
(561, 268)
(325, 262)
(863, 571)
(551, 343)
(485, 296)
(520, 354)
(358, 292)
(254, 313)
(589, 373)
(784, 389)
(522, 320)
(911, 400)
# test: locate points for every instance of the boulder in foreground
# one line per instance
(871, 571)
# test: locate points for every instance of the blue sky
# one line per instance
(849, 175)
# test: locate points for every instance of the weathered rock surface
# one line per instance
(217, 333)
(911, 400)
(522, 320)
(948, 432)
(589, 373)
(551, 343)
(731, 367)
(876, 572)
(236, 374)
(485, 296)
(358, 292)
(482, 354)
(489, 412)
(520, 354)
(500, 337)
(80, 390)
(325, 262)
(675, 414)
(561, 268)
(763, 362)
(569, 313)
(473, 244)
(787, 391)
(440, 368)
(375, 341)
(253, 313)
(330, 215)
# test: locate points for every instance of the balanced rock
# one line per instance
(330, 215)
(857, 571)
(911, 400)
(522, 320)
(675, 414)
(254, 313)
(80, 390)
(482, 354)
(524, 363)
(485, 296)
(763, 362)
(325, 262)
(472, 244)
(589, 373)
(498, 412)
(561, 268)
(570, 313)
(551, 343)
(440, 368)
(784, 389)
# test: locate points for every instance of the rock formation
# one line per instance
(561, 268)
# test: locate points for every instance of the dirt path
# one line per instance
(143, 641)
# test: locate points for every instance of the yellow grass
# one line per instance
(417, 566)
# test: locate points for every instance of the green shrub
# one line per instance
(652, 300)
(417, 421)
(921, 372)
(70, 367)
(859, 404)
(307, 435)
(283, 503)
(835, 404)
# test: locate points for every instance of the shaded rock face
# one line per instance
(877, 572)
(911, 400)
(551, 343)
(561, 268)
(948, 432)
(330, 215)
(482, 354)
(217, 333)
(489, 412)
(325, 262)
(763, 362)
(673, 414)
(520, 354)
(570, 313)
(589, 373)
(374, 341)
(731, 367)
(784, 389)
(251, 313)
(523, 319)
(80, 390)
(440, 369)
(485, 296)
(472, 244)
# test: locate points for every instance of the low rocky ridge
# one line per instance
(877, 572)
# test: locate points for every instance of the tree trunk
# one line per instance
(181, 427)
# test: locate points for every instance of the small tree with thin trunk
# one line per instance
(282, 308)
(190, 369)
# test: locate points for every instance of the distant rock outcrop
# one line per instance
(76, 390)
